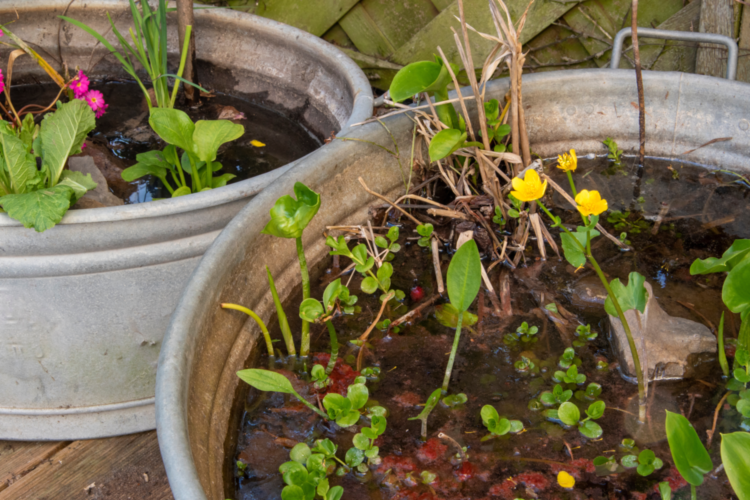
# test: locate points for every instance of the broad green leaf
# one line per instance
(292, 492)
(221, 180)
(40, 209)
(573, 253)
(310, 310)
(290, 217)
(385, 271)
(447, 315)
(689, 454)
(646, 457)
(369, 285)
(29, 129)
(735, 455)
(596, 410)
(455, 400)
(348, 419)
(141, 169)
(78, 182)
(62, 133)
(335, 493)
(417, 77)
(734, 254)
(300, 453)
(209, 135)
(591, 429)
(17, 162)
(464, 276)
(446, 142)
(632, 296)
(182, 191)
(361, 442)
(336, 403)
(645, 469)
(323, 487)
(491, 109)
(629, 461)
(569, 413)
(354, 457)
(358, 395)
(266, 380)
(489, 415)
(665, 491)
(516, 426)
(174, 127)
(736, 290)
(331, 293)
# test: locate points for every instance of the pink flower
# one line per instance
(2, 80)
(80, 85)
(102, 110)
(1, 33)
(95, 100)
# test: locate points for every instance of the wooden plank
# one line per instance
(677, 56)
(398, 20)
(18, 458)
(556, 48)
(337, 36)
(716, 17)
(743, 66)
(364, 33)
(314, 17)
(442, 4)
(424, 44)
(127, 467)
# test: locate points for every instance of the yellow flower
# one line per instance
(257, 144)
(567, 162)
(591, 203)
(529, 188)
(565, 480)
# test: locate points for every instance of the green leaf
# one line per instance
(632, 296)
(665, 491)
(358, 395)
(335, 493)
(502, 131)
(569, 413)
(361, 442)
(430, 405)
(348, 419)
(331, 293)
(735, 455)
(209, 135)
(354, 457)
(645, 469)
(455, 400)
(141, 169)
(445, 143)
(736, 290)
(689, 454)
(17, 161)
(292, 492)
(310, 310)
(629, 461)
(573, 253)
(40, 209)
(464, 276)
(491, 109)
(289, 217)
(182, 191)
(369, 285)
(516, 426)
(221, 180)
(300, 453)
(385, 271)
(596, 410)
(29, 129)
(266, 380)
(591, 429)
(62, 134)
(733, 256)
(417, 77)
(78, 182)
(174, 127)
(447, 315)
(381, 242)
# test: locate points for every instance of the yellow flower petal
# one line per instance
(530, 188)
(568, 162)
(591, 203)
(565, 480)
(257, 144)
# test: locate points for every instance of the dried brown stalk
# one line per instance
(639, 81)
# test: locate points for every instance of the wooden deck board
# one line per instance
(121, 468)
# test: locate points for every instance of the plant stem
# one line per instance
(183, 58)
(196, 178)
(452, 358)
(185, 20)
(286, 332)
(257, 319)
(620, 315)
(692, 492)
(572, 185)
(334, 347)
(722, 354)
(305, 343)
(310, 405)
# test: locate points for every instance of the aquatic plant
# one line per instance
(577, 249)
(425, 233)
(498, 426)
(305, 475)
(584, 334)
(614, 152)
(524, 333)
(689, 455)
(344, 410)
(149, 48)
(569, 414)
(364, 444)
(200, 143)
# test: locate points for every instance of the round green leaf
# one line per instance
(290, 217)
(596, 410)
(629, 461)
(645, 470)
(348, 419)
(369, 285)
(354, 457)
(569, 414)
(335, 493)
(591, 429)
(358, 395)
(361, 442)
(292, 492)
(300, 453)
(310, 310)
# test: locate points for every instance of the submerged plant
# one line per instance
(364, 444)
(498, 426)
(523, 333)
(306, 474)
(584, 334)
(570, 415)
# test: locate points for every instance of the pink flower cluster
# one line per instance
(94, 98)
(2, 80)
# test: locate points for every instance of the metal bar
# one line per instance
(685, 36)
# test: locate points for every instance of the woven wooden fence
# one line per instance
(383, 35)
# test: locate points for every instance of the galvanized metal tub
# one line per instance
(205, 346)
(84, 305)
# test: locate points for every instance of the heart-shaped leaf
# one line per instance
(290, 217)
(632, 296)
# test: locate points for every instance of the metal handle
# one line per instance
(684, 36)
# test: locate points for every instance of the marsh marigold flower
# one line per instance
(530, 188)
(80, 85)
(591, 203)
(565, 480)
(567, 162)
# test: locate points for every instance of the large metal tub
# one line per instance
(204, 345)
(84, 305)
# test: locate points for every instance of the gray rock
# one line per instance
(588, 293)
(673, 344)
(101, 194)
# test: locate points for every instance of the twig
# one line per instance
(436, 265)
(445, 436)
(716, 418)
(639, 81)
(406, 317)
(380, 196)
(364, 336)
